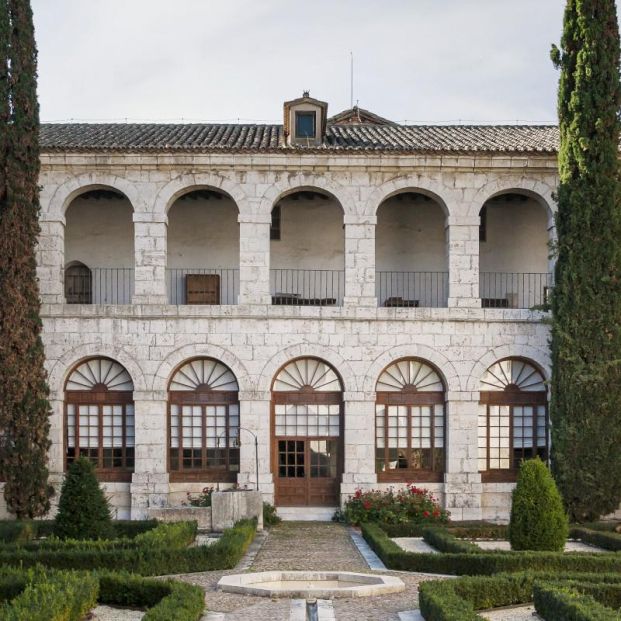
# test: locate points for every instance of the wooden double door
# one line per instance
(307, 449)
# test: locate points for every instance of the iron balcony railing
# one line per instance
(412, 289)
(291, 287)
(515, 290)
(99, 285)
(203, 286)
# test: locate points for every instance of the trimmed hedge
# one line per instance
(558, 603)
(171, 535)
(607, 540)
(20, 531)
(458, 600)
(444, 541)
(58, 596)
(464, 530)
(148, 559)
(485, 563)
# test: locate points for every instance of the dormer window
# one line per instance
(305, 125)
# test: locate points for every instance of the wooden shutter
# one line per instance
(202, 289)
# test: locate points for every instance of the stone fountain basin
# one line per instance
(310, 584)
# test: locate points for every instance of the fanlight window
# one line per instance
(99, 417)
(409, 423)
(309, 374)
(203, 422)
(513, 418)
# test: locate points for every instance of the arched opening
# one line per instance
(410, 251)
(410, 422)
(99, 418)
(78, 283)
(513, 252)
(513, 418)
(99, 236)
(203, 248)
(203, 422)
(307, 250)
(307, 434)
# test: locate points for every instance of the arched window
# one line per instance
(99, 418)
(78, 284)
(307, 454)
(409, 423)
(203, 414)
(513, 418)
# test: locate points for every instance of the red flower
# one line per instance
(366, 504)
(358, 493)
(426, 514)
(436, 513)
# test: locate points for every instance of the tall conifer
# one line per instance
(24, 406)
(586, 303)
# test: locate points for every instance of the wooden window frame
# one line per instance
(99, 398)
(202, 398)
(409, 399)
(513, 398)
(305, 113)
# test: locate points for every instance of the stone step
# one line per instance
(306, 514)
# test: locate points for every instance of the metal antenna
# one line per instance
(351, 81)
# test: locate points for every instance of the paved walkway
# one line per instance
(311, 546)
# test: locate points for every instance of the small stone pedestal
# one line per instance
(230, 507)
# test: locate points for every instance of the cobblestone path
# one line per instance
(312, 546)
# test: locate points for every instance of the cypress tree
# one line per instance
(586, 303)
(24, 406)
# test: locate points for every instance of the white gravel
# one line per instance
(516, 613)
(414, 544)
(107, 613)
(570, 546)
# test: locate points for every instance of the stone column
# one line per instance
(149, 486)
(462, 480)
(360, 261)
(150, 253)
(51, 260)
(255, 415)
(254, 259)
(359, 443)
(463, 261)
(55, 454)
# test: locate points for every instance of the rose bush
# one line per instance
(409, 505)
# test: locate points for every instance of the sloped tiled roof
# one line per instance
(132, 137)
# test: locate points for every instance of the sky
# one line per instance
(415, 61)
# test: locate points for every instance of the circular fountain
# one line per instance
(310, 584)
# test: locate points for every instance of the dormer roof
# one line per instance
(359, 116)
(305, 99)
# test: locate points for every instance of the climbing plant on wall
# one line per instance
(586, 303)
(24, 406)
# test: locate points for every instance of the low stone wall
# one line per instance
(229, 507)
(202, 515)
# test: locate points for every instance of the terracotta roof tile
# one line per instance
(83, 137)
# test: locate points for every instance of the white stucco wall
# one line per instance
(203, 234)
(517, 237)
(410, 236)
(100, 233)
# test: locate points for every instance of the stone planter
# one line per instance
(202, 515)
(229, 507)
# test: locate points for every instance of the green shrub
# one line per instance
(558, 603)
(270, 517)
(131, 528)
(463, 530)
(603, 539)
(412, 505)
(147, 559)
(83, 510)
(169, 535)
(485, 563)
(444, 541)
(538, 520)
(58, 596)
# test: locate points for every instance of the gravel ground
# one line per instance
(107, 613)
(516, 613)
(414, 544)
(570, 546)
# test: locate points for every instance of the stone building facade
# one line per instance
(395, 252)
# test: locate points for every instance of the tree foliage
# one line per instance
(538, 519)
(24, 406)
(586, 303)
(83, 510)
